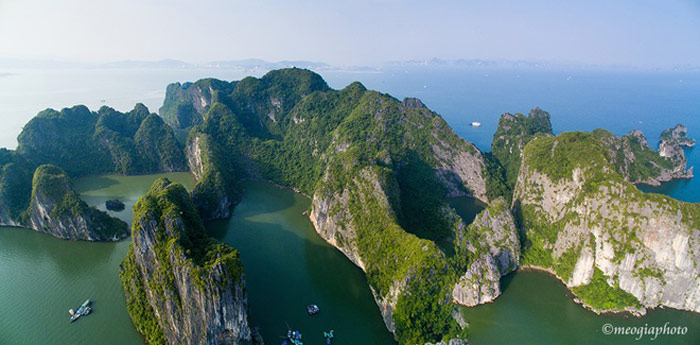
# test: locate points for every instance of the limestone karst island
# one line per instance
(450, 175)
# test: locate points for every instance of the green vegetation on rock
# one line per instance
(574, 197)
(178, 266)
(631, 156)
(57, 209)
(82, 142)
(601, 296)
(392, 160)
(15, 186)
(513, 133)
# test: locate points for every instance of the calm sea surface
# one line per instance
(287, 264)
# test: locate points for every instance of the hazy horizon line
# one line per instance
(58, 63)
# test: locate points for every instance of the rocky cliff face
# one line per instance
(637, 163)
(182, 287)
(616, 247)
(185, 104)
(332, 218)
(671, 146)
(56, 209)
(215, 193)
(492, 239)
(378, 170)
(513, 133)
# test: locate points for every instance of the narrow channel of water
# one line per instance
(288, 266)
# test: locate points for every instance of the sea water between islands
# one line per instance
(288, 266)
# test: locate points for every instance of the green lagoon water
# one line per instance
(536, 308)
(41, 277)
(288, 266)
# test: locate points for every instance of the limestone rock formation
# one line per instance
(616, 247)
(492, 239)
(181, 286)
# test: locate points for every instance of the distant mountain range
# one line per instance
(527, 64)
(246, 64)
(263, 65)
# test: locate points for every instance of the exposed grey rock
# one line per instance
(194, 301)
(185, 104)
(647, 245)
(56, 209)
(631, 154)
(671, 145)
(451, 342)
(492, 238)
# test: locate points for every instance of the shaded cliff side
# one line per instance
(185, 104)
(82, 142)
(513, 133)
(492, 243)
(182, 287)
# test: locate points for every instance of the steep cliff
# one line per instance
(671, 146)
(513, 133)
(15, 187)
(56, 209)
(492, 241)
(378, 171)
(616, 247)
(182, 287)
(82, 142)
(185, 104)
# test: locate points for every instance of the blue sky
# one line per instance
(636, 33)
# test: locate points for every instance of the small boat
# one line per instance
(312, 309)
(294, 337)
(84, 309)
(329, 337)
(476, 124)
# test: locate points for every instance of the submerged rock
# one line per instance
(182, 287)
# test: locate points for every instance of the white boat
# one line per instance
(476, 124)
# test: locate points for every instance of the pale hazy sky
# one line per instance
(626, 32)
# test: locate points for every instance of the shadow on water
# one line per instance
(467, 208)
(507, 280)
